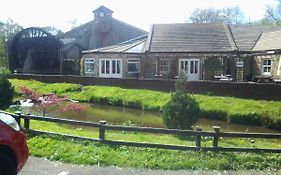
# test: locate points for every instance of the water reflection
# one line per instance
(121, 115)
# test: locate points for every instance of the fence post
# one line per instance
(216, 136)
(198, 137)
(18, 117)
(102, 130)
(26, 121)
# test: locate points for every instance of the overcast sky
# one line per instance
(140, 13)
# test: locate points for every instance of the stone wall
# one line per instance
(241, 90)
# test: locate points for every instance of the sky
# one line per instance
(139, 13)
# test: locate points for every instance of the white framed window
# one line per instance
(90, 65)
(133, 65)
(110, 68)
(266, 66)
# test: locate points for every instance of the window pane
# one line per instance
(89, 65)
(191, 67)
(196, 67)
(133, 66)
(181, 65)
(118, 66)
(107, 67)
(186, 66)
(266, 67)
(267, 62)
(113, 66)
(102, 66)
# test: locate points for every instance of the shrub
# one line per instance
(180, 84)
(181, 112)
(4, 70)
(6, 93)
(246, 119)
(214, 114)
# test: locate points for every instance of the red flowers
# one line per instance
(45, 100)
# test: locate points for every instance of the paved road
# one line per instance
(39, 166)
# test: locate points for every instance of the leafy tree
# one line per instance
(231, 15)
(3, 56)
(7, 30)
(6, 93)
(182, 111)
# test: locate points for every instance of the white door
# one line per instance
(110, 68)
(191, 68)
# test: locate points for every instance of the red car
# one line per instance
(13, 148)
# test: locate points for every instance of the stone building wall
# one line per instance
(258, 64)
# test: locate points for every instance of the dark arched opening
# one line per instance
(35, 51)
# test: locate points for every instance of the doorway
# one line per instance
(191, 68)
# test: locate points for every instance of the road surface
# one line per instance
(41, 166)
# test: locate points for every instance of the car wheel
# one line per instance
(7, 166)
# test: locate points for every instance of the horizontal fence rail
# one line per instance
(198, 135)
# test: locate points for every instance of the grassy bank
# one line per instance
(236, 110)
(89, 153)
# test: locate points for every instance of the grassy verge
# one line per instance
(89, 153)
(236, 110)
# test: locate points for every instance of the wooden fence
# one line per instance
(197, 135)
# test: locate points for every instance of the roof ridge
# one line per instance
(74, 29)
(129, 25)
(133, 39)
(256, 42)
(230, 37)
(149, 39)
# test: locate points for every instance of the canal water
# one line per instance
(127, 116)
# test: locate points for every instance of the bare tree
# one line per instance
(273, 14)
(230, 15)
(52, 30)
(74, 23)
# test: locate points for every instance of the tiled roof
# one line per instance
(204, 38)
(135, 45)
(246, 36)
(269, 41)
(190, 38)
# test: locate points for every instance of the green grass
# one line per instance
(150, 138)
(236, 110)
(90, 153)
(57, 148)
